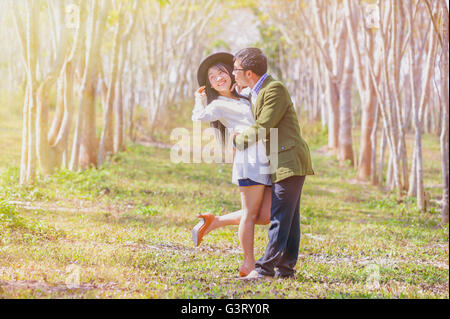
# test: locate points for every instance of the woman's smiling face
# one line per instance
(219, 78)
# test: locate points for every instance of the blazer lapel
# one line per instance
(253, 108)
(251, 103)
(258, 104)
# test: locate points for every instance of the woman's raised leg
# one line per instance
(234, 218)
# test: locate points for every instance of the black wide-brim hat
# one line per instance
(211, 60)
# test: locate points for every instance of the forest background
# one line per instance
(90, 92)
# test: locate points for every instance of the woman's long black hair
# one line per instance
(212, 94)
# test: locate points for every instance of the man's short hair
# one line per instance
(252, 59)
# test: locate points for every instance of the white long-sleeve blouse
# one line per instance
(236, 116)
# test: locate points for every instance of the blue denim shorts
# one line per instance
(248, 182)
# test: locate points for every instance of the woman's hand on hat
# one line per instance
(201, 91)
(201, 94)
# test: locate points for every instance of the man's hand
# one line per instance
(233, 137)
(237, 87)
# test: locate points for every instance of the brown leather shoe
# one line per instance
(199, 230)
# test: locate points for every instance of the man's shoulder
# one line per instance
(273, 84)
(275, 87)
(271, 88)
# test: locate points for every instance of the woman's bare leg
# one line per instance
(252, 198)
(263, 217)
(234, 218)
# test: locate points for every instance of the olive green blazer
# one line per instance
(274, 109)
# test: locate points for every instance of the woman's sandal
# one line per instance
(243, 273)
(199, 230)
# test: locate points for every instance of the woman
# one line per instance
(217, 102)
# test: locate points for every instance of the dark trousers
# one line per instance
(284, 231)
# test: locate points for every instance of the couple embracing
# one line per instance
(270, 191)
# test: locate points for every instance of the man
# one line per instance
(273, 109)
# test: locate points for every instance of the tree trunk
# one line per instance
(88, 138)
(373, 152)
(332, 98)
(45, 157)
(119, 117)
(444, 140)
(415, 110)
(367, 123)
(382, 152)
(25, 137)
(107, 128)
(345, 110)
(32, 42)
(85, 110)
(365, 87)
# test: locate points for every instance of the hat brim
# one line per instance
(202, 72)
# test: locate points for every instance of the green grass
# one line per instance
(123, 231)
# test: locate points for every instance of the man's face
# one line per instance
(240, 75)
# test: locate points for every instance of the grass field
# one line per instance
(124, 231)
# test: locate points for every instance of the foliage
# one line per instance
(26, 230)
(127, 227)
